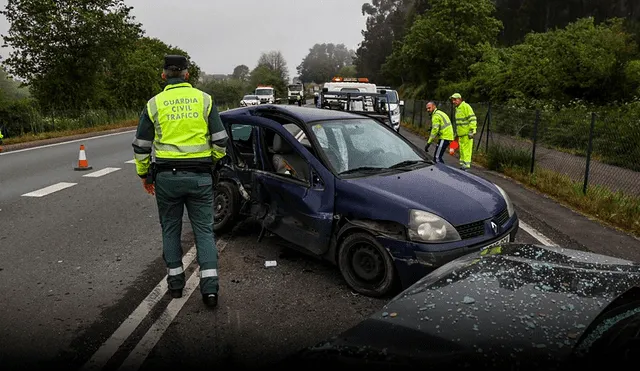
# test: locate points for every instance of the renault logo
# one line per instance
(494, 227)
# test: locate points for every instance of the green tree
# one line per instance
(597, 63)
(64, 48)
(274, 61)
(325, 61)
(138, 77)
(443, 43)
(241, 73)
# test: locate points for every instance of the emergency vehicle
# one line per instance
(348, 84)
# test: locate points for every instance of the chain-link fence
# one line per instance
(594, 148)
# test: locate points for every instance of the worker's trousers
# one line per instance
(466, 149)
(195, 191)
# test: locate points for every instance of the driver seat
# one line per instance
(286, 159)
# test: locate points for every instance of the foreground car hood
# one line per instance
(521, 301)
(457, 196)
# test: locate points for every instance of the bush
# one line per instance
(500, 157)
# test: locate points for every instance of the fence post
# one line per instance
(421, 110)
(535, 141)
(488, 128)
(413, 114)
(589, 150)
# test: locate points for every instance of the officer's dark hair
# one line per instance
(176, 73)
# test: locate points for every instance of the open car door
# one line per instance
(299, 205)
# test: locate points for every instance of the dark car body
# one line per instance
(510, 307)
(319, 213)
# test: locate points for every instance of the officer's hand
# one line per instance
(149, 188)
(426, 148)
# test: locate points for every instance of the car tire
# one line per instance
(226, 203)
(366, 265)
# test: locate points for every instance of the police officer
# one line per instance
(1, 136)
(440, 128)
(183, 127)
(466, 126)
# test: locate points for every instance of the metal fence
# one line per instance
(594, 148)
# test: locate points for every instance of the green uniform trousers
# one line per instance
(466, 149)
(195, 191)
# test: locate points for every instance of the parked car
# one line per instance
(356, 193)
(513, 307)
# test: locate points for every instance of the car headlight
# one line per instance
(428, 227)
(510, 208)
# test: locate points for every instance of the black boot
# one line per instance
(176, 293)
(210, 300)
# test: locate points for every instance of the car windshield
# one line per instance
(354, 144)
(264, 91)
(249, 97)
(295, 87)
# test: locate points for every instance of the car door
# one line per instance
(299, 211)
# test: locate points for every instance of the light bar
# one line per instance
(350, 79)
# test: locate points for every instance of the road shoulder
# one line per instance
(43, 142)
(561, 224)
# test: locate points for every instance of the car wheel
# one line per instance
(225, 206)
(366, 266)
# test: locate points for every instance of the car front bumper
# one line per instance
(415, 260)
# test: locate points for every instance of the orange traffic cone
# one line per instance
(83, 164)
(452, 147)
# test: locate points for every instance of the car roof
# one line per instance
(305, 114)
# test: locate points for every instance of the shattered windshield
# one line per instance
(361, 143)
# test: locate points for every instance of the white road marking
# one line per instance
(110, 347)
(50, 189)
(67, 142)
(103, 172)
(130, 162)
(139, 354)
(537, 235)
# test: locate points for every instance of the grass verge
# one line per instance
(616, 209)
(67, 133)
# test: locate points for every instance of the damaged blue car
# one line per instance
(347, 188)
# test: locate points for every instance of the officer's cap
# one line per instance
(456, 96)
(175, 62)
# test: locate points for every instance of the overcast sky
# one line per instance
(221, 34)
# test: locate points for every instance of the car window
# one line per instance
(362, 143)
(241, 132)
(242, 140)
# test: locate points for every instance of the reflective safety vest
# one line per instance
(466, 121)
(180, 115)
(440, 126)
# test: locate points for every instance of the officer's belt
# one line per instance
(204, 168)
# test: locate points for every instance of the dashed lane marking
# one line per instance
(103, 172)
(130, 162)
(50, 189)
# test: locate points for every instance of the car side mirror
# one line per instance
(316, 181)
(401, 103)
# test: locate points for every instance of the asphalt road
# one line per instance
(81, 272)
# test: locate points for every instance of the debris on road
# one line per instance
(270, 263)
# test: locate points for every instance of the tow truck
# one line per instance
(374, 105)
(266, 94)
(295, 93)
(349, 84)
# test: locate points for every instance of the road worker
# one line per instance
(466, 126)
(182, 125)
(441, 130)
